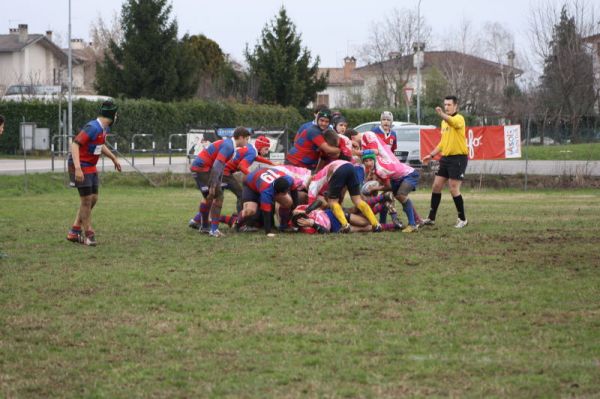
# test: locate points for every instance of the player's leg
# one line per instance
(215, 213)
(350, 181)
(439, 181)
(83, 217)
(457, 174)
(201, 220)
(233, 185)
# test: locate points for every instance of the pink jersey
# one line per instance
(387, 166)
(320, 181)
(346, 147)
(319, 216)
(299, 174)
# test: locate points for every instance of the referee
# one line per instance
(453, 146)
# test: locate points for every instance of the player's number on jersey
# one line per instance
(270, 176)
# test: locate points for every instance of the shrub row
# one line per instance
(162, 119)
(147, 116)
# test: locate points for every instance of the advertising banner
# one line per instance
(484, 142)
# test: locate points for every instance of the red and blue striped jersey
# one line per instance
(261, 181)
(243, 159)
(390, 139)
(221, 150)
(305, 151)
(91, 139)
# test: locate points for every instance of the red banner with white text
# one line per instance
(484, 142)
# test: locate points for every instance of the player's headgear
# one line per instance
(387, 115)
(262, 142)
(108, 109)
(297, 217)
(281, 185)
(339, 119)
(368, 156)
(324, 113)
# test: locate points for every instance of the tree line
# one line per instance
(143, 58)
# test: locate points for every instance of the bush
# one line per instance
(147, 116)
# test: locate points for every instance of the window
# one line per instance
(323, 99)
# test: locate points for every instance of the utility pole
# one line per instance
(419, 61)
(70, 122)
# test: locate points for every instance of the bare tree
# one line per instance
(565, 97)
(102, 33)
(387, 50)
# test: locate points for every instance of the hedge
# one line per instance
(147, 116)
(162, 119)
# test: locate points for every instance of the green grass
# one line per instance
(507, 307)
(565, 152)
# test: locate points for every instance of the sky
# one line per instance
(330, 29)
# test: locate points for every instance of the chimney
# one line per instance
(77, 44)
(349, 65)
(393, 54)
(13, 31)
(23, 35)
(49, 35)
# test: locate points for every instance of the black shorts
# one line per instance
(202, 179)
(344, 176)
(453, 167)
(249, 195)
(88, 186)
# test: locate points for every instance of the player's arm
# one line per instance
(83, 138)
(329, 150)
(112, 157)
(264, 160)
(266, 206)
(216, 173)
(76, 162)
(432, 154)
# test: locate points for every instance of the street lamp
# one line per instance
(418, 61)
(418, 48)
(70, 118)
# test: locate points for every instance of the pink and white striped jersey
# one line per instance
(320, 181)
(299, 174)
(318, 215)
(387, 166)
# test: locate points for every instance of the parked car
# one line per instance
(538, 140)
(409, 139)
(368, 126)
(22, 92)
(408, 147)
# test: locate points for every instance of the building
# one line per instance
(594, 43)
(466, 75)
(34, 59)
(31, 59)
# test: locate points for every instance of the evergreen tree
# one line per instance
(149, 62)
(567, 82)
(282, 68)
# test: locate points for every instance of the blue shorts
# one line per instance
(335, 224)
(405, 185)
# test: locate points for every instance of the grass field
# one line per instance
(564, 152)
(508, 307)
